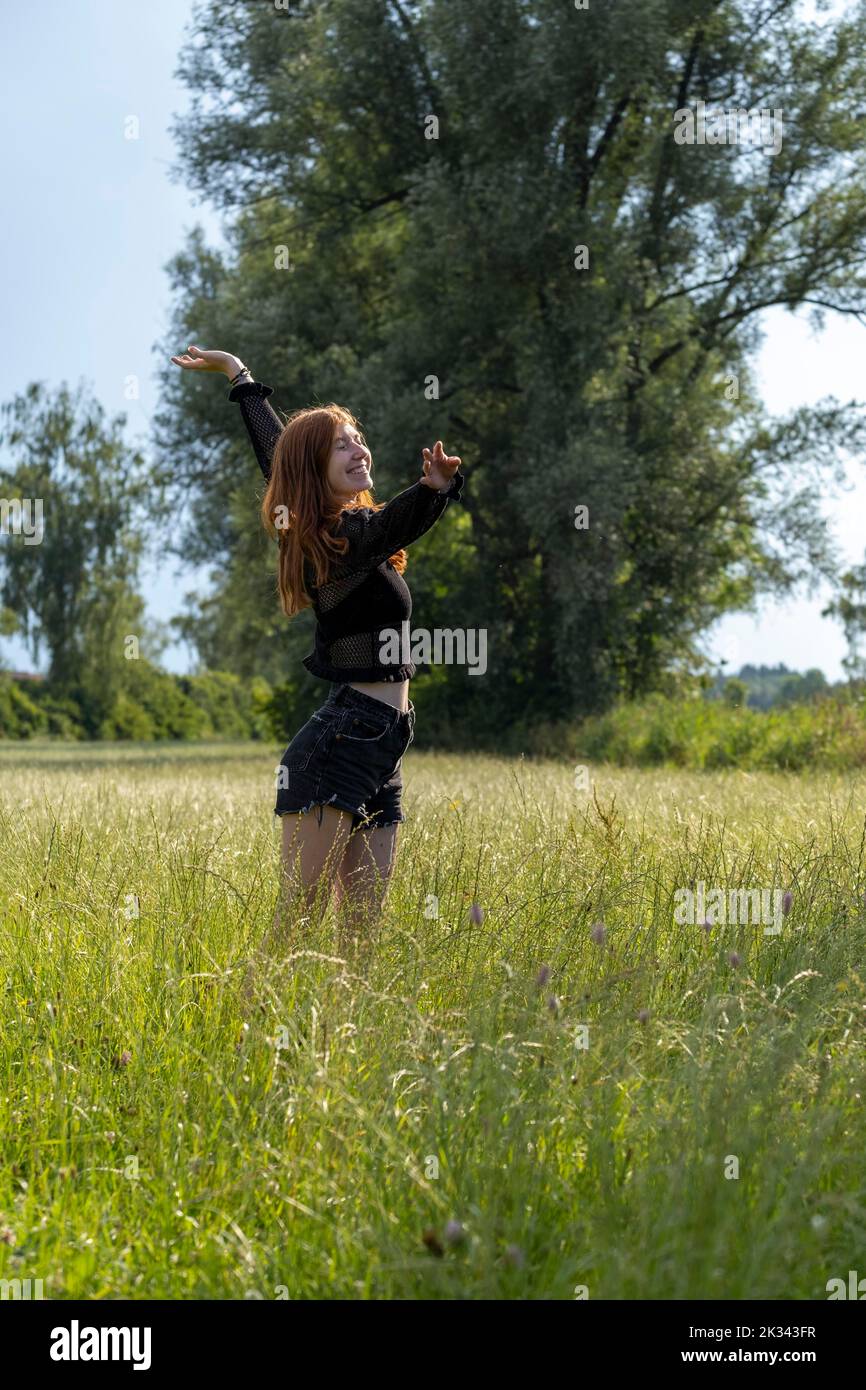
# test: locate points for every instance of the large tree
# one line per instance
(69, 588)
(432, 169)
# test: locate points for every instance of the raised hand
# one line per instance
(439, 467)
(197, 359)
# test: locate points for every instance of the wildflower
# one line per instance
(707, 926)
(454, 1233)
(787, 902)
(7, 1236)
(123, 1060)
(598, 933)
(476, 914)
(542, 977)
(735, 959)
(553, 1004)
(643, 1015)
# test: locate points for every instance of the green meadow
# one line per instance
(539, 1087)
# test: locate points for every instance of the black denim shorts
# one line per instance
(348, 755)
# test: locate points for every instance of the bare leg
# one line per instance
(363, 875)
(312, 849)
(311, 854)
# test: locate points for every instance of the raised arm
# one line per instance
(375, 535)
(263, 424)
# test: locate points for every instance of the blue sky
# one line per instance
(91, 219)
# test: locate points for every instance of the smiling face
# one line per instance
(350, 462)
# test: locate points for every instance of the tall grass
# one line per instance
(433, 1128)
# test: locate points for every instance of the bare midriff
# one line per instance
(394, 693)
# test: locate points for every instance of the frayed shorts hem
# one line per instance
(359, 820)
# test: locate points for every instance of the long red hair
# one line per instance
(300, 508)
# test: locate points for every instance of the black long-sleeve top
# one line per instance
(364, 595)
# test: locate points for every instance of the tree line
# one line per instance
(474, 222)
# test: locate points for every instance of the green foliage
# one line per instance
(623, 387)
(232, 708)
(129, 720)
(830, 733)
(797, 688)
(20, 716)
(285, 710)
(164, 703)
(62, 715)
(152, 705)
(681, 731)
(74, 592)
(735, 693)
(766, 686)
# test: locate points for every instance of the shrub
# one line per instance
(20, 716)
(827, 732)
(232, 708)
(62, 718)
(283, 711)
(172, 714)
(128, 721)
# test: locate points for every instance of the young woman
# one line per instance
(339, 789)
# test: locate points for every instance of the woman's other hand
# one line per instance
(439, 467)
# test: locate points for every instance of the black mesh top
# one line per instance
(364, 595)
